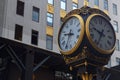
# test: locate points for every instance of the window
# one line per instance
(49, 42)
(20, 8)
(18, 32)
(117, 45)
(114, 9)
(63, 4)
(118, 60)
(49, 19)
(35, 14)
(51, 2)
(34, 38)
(96, 2)
(115, 26)
(106, 4)
(75, 6)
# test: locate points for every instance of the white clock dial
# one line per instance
(101, 33)
(70, 33)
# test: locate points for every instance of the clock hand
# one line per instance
(101, 34)
(69, 34)
(97, 30)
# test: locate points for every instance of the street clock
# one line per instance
(71, 34)
(100, 34)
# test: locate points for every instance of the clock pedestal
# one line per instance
(89, 57)
(86, 64)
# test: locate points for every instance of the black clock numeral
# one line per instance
(91, 24)
(95, 21)
(104, 25)
(77, 24)
(101, 45)
(66, 47)
(70, 46)
(96, 41)
(92, 35)
(108, 30)
(75, 21)
(63, 43)
(63, 38)
(109, 43)
(71, 22)
(78, 30)
(63, 31)
(77, 36)
(66, 26)
(100, 21)
(109, 37)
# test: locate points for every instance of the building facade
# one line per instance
(37, 22)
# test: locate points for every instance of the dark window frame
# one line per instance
(34, 37)
(18, 32)
(20, 8)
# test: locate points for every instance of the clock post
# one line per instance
(86, 41)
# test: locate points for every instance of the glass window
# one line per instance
(117, 45)
(20, 8)
(114, 9)
(34, 37)
(106, 4)
(49, 19)
(96, 2)
(118, 60)
(18, 32)
(75, 6)
(49, 42)
(115, 26)
(63, 4)
(51, 2)
(35, 14)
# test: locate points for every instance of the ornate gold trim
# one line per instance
(62, 13)
(50, 8)
(106, 12)
(49, 30)
(90, 39)
(95, 6)
(80, 38)
(75, 1)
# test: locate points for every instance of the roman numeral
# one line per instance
(100, 21)
(63, 43)
(91, 24)
(92, 35)
(63, 38)
(78, 30)
(95, 21)
(109, 43)
(109, 37)
(77, 36)
(77, 24)
(71, 22)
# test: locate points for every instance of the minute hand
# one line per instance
(97, 30)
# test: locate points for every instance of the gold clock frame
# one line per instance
(102, 51)
(71, 51)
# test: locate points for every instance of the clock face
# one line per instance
(70, 33)
(101, 33)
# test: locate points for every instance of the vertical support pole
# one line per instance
(27, 74)
(86, 76)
